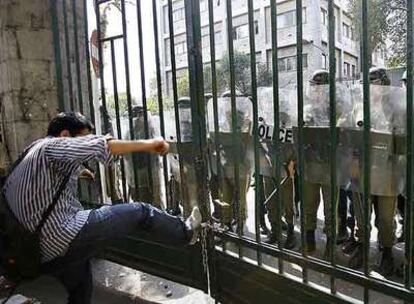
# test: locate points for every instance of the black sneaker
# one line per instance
(357, 258)
(271, 239)
(350, 245)
(342, 235)
(290, 242)
(193, 224)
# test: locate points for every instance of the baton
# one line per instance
(275, 191)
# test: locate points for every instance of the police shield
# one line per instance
(266, 130)
(225, 140)
(148, 166)
(316, 131)
(387, 142)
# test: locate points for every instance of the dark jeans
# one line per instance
(104, 225)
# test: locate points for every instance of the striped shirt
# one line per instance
(31, 187)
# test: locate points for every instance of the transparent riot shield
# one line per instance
(181, 188)
(148, 166)
(229, 155)
(287, 118)
(316, 131)
(388, 145)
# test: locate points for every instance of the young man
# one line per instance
(72, 235)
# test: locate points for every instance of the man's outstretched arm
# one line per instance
(117, 147)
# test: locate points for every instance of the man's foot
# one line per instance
(193, 224)
(357, 257)
(350, 245)
(386, 265)
(342, 235)
(290, 242)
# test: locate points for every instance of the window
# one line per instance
(180, 48)
(288, 19)
(218, 38)
(203, 5)
(324, 62)
(353, 71)
(242, 31)
(290, 64)
(324, 16)
(347, 69)
(178, 14)
(347, 31)
(205, 41)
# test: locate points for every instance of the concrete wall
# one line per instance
(28, 95)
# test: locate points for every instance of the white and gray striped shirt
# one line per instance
(31, 187)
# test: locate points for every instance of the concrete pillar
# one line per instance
(28, 90)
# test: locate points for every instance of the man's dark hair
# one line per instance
(74, 122)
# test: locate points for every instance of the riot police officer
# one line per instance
(385, 202)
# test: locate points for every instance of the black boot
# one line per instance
(290, 242)
(342, 234)
(272, 236)
(310, 241)
(350, 245)
(386, 265)
(357, 258)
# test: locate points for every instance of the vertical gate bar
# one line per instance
(255, 122)
(333, 134)
(58, 58)
(159, 89)
(144, 91)
(214, 91)
(118, 119)
(183, 183)
(299, 59)
(128, 93)
(235, 132)
(88, 73)
(88, 61)
(212, 264)
(410, 149)
(69, 70)
(198, 109)
(276, 142)
(76, 38)
(367, 139)
(103, 94)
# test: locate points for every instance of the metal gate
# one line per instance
(233, 265)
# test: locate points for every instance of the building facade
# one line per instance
(315, 37)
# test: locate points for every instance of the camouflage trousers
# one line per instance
(286, 198)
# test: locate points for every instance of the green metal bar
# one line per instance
(380, 285)
(110, 38)
(276, 142)
(58, 58)
(198, 108)
(299, 59)
(67, 48)
(159, 88)
(128, 94)
(76, 38)
(102, 82)
(144, 91)
(255, 122)
(410, 150)
(214, 92)
(88, 60)
(183, 183)
(333, 133)
(367, 138)
(235, 131)
(118, 120)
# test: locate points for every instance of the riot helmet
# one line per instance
(319, 77)
(378, 76)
